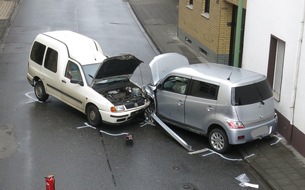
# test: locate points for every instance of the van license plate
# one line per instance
(260, 132)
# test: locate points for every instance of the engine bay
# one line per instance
(125, 93)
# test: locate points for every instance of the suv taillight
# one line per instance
(235, 124)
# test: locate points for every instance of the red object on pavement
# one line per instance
(50, 182)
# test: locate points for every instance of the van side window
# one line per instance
(37, 53)
(51, 60)
(204, 90)
(72, 72)
(176, 84)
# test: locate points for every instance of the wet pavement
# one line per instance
(273, 159)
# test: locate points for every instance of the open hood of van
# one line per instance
(123, 65)
(162, 64)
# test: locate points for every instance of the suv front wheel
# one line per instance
(218, 140)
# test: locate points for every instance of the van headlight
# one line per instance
(117, 108)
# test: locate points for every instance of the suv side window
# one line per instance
(204, 90)
(176, 84)
(38, 52)
(72, 72)
(51, 60)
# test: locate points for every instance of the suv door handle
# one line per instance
(209, 108)
(63, 81)
(179, 102)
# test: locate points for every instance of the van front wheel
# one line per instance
(40, 92)
(218, 140)
(93, 115)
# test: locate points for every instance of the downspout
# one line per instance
(297, 65)
(238, 33)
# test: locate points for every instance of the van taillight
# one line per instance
(235, 124)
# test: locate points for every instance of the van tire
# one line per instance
(93, 115)
(40, 91)
(218, 140)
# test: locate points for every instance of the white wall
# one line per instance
(280, 18)
(299, 119)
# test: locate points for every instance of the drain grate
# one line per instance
(6, 7)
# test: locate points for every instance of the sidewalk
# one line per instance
(7, 9)
(275, 161)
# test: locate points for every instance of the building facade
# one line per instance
(209, 27)
(273, 45)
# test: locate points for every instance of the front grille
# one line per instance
(134, 104)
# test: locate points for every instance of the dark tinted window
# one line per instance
(37, 53)
(176, 84)
(51, 60)
(204, 90)
(253, 93)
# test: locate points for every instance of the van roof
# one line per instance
(219, 73)
(81, 48)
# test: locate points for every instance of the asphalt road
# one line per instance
(52, 138)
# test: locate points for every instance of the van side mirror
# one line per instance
(77, 82)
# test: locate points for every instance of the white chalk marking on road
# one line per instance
(222, 156)
(86, 126)
(30, 97)
(115, 135)
(278, 140)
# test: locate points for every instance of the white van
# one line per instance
(72, 68)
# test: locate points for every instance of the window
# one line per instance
(190, 4)
(51, 60)
(72, 72)
(207, 6)
(206, 9)
(250, 94)
(204, 90)
(276, 65)
(37, 53)
(176, 84)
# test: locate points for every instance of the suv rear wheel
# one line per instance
(40, 92)
(218, 140)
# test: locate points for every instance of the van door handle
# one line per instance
(63, 81)
(209, 108)
(179, 102)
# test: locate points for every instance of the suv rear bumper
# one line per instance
(250, 133)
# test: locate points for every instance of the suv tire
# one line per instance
(218, 140)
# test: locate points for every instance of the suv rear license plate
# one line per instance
(262, 131)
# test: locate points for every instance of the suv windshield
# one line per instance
(250, 94)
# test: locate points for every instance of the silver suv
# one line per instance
(229, 105)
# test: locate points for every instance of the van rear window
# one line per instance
(250, 94)
(37, 53)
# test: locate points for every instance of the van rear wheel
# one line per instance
(93, 115)
(40, 91)
(218, 140)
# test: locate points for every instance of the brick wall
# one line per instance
(211, 30)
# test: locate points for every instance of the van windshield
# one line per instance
(89, 71)
(250, 94)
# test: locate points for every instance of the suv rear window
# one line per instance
(38, 52)
(250, 94)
